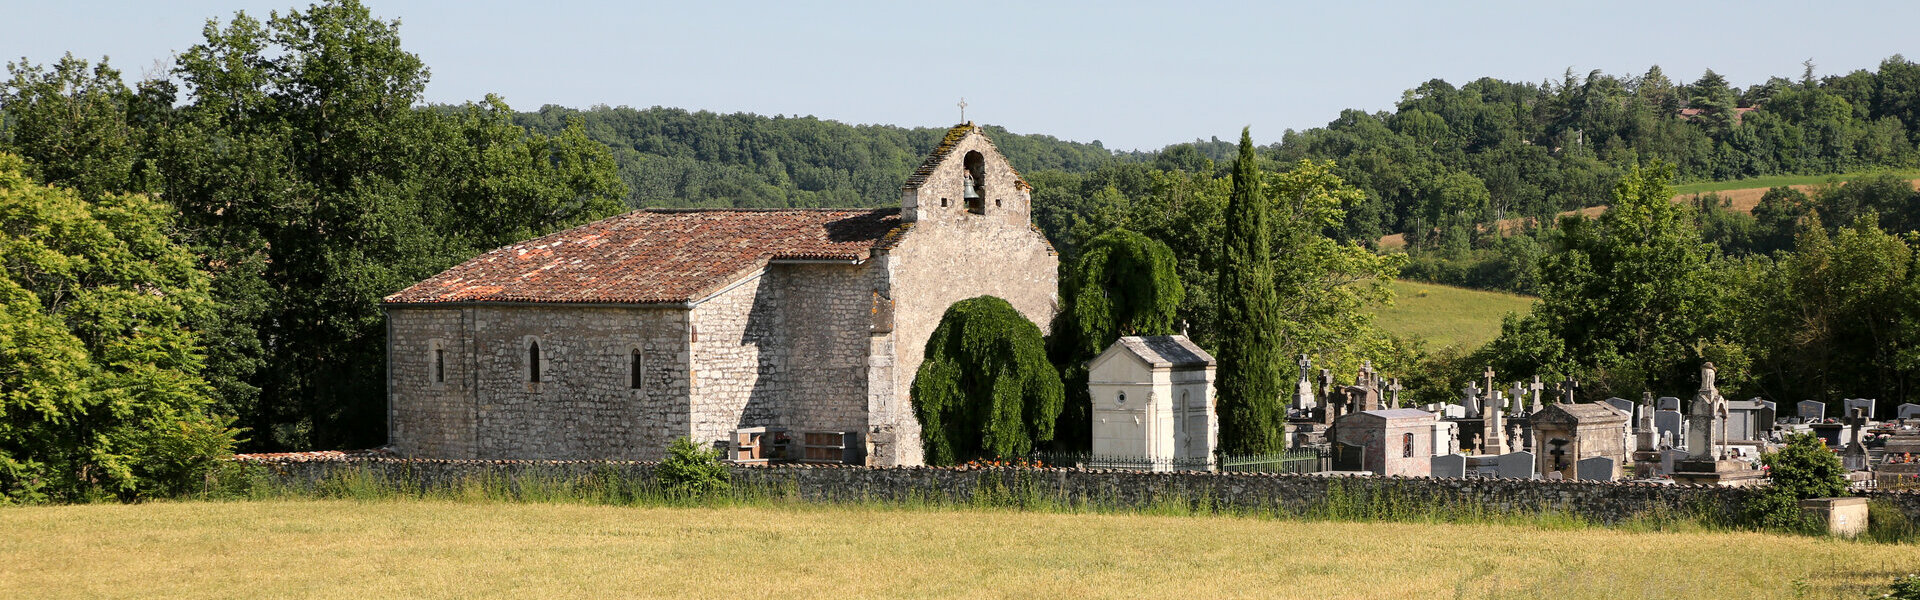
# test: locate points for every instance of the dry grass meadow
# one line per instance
(432, 549)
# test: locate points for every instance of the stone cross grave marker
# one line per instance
(1536, 387)
(1393, 389)
(1598, 468)
(1515, 465)
(1472, 400)
(1908, 411)
(1567, 390)
(1848, 406)
(1487, 375)
(1810, 410)
(1519, 398)
(1669, 403)
(1449, 466)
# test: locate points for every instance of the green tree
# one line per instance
(985, 388)
(1626, 300)
(1124, 283)
(1324, 288)
(315, 186)
(100, 392)
(1249, 386)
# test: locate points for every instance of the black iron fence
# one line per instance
(1297, 460)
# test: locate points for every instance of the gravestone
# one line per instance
(1598, 468)
(1669, 423)
(1515, 465)
(1849, 404)
(1449, 466)
(1669, 403)
(1668, 457)
(1622, 404)
(1908, 411)
(1811, 410)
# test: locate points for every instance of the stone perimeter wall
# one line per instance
(1597, 501)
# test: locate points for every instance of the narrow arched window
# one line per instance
(439, 365)
(1406, 445)
(633, 371)
(533, 362)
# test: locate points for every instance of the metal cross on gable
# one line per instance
(963, 109)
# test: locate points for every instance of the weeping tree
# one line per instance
(985, 388)
(1124, 283)
(1249, 385)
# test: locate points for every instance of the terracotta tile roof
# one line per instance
(654, 256)
(940, 152)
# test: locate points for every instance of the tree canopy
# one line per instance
(1124, 283)
(985, 388)
(100, 358)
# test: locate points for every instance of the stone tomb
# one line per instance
(1810, 410)
(1566, 434)
(1393, 441)
(1709, 460)
(1153, 399)
(1749, 419)
(1669, 403)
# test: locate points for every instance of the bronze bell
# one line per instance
(973, 189)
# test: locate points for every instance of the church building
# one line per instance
(611, 339)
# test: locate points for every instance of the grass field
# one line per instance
(1446, 315)
(411, 549)
(1762, 183)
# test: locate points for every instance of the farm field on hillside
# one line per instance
(1446, 315)
(1742, 195)
(412, 549)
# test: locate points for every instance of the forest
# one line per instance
(195, 260)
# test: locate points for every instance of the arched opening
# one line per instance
(975, 183)
(633, 370)
(439, 365)
(1406, 445)
(533, 361)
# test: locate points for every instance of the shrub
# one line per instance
(690, 472)
(1906, 588)
(1803, 469)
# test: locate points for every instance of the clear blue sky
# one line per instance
(1133, 75)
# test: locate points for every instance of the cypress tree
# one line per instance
(1248, 388)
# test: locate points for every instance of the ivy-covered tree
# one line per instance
(1251, 411)
(100, 387)
(1124, 283)
(985, 388)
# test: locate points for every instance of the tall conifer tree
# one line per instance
(1251, 419)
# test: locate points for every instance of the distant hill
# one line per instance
(672, 157)
(1446, 315)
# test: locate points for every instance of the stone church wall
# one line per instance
(788, 347)
(583, 407)
(951, 255)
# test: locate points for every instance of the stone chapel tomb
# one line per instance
(1153, 399)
